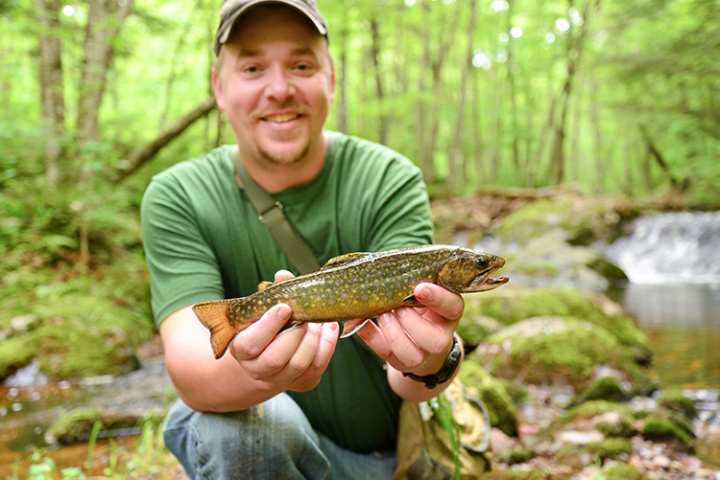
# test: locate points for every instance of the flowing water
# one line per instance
(673, 263)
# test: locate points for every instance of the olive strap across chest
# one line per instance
(270, 213)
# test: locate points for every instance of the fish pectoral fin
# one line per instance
(349, 331)
(411, 301)
(263, 285)
(342, 259)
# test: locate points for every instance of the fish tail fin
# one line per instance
(214, 316)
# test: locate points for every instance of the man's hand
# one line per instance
(292, 359)
(417, 340)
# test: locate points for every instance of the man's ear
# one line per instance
(217, 89)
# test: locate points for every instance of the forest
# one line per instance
(515, 98)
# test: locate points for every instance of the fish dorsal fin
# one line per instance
(264, 284)
(343, 259)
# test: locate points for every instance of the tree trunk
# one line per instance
(146, 152)
(437, 61)
(51, 87)
(342, 83)
(456, 160)
(599, 147)
(478, 146)
(375, 49)
(427, 162)
(575, 46)
(105, 18)
(509, 64)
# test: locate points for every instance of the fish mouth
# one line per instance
(487, 279)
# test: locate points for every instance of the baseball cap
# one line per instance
(232, 10)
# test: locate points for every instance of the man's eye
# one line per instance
(251, 69)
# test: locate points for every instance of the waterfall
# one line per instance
(671, 248)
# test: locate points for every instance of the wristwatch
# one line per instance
(446, 371)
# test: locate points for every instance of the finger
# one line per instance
(445, 303)
(251, 342)
(282, 275)
(374, 338)
(277, 355)
(326, 348)
(303, 357)
(401, 345)
(429, 336)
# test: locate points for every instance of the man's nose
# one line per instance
(280, 86)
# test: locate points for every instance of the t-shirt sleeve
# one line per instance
(183, 268)
(400, 208)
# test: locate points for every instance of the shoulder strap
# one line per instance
(270, 212)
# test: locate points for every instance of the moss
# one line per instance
(15, 352)
(76, 425)
(621, 428)
(474, 329)
(87, 325)
(518, 392)
(491, 391)
(509, 474)
(73, 426)
(622, 471)
(546, 349)
(676, 401)
(585, 220)
(596, 408)
(610, 448)
(603, 388)
(516, 455)
(661, 429)
(511, 305)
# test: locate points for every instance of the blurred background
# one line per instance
(579, 138)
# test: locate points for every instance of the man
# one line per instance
(295, 403)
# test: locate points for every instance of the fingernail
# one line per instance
(424, 292)
(282, 310)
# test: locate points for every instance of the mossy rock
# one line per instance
(545, 350)
(621, 471)
(603, 388)
(15, 352)
(79, 335)
(475, 328)
(76, 426)
(517, 455)
(677, 401)
(584, 219)
(491, 391)
(610, 448)
(662, 428)
(511, 474)
(510, 305)
(595, 409)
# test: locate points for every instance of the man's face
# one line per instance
(275, 83)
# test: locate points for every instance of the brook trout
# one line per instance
(355, 285)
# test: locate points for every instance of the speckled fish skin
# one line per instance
(357, 285)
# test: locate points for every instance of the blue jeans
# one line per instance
(273, 440)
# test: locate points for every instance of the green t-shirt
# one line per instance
(203, 241)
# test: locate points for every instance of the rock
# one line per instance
(511, 305)
(584, 219)
(621, 471)
(515, 455)
(659, 428)
(603, 388)
(473, 329)
(77, 425)
(676, 401)
(23, 323)
(491, 391)
(579, 437)
(544, 350)
(610, 448)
